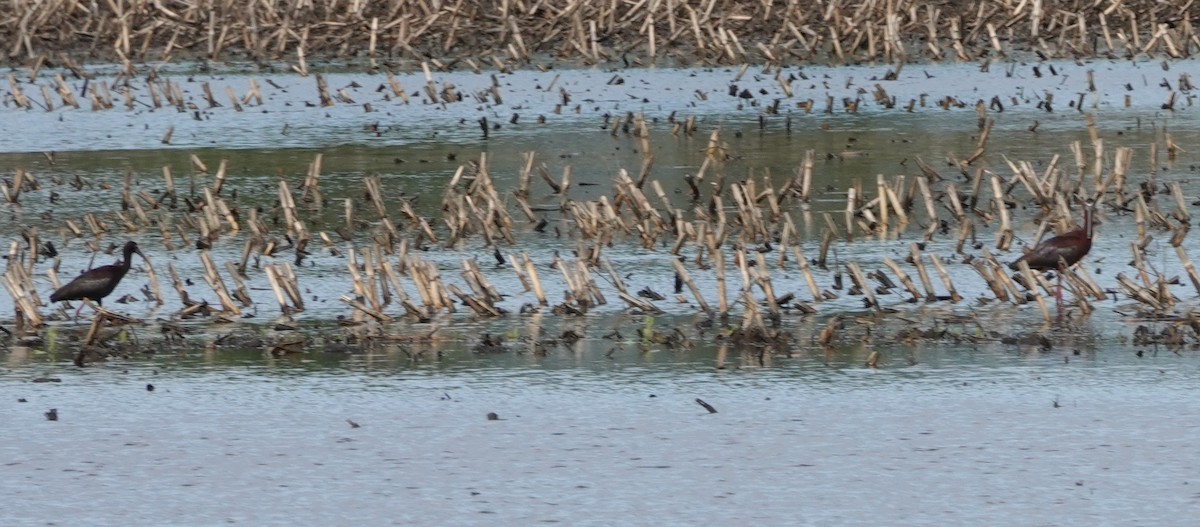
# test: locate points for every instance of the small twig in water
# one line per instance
(706, 406)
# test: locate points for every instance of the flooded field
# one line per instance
(967, 434)
(339, 355)
(80, 158)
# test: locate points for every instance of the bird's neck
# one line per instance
(127, 260)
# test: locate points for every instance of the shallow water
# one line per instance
(409, 146)
(962, 430)
(979, 436)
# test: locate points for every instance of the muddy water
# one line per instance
(963, 429)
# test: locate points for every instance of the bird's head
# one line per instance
(131, 247)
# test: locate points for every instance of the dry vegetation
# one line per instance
(749, 228)
(743, 236)
(521, 32)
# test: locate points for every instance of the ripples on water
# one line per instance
(605, 432)
(411, 147)
(978, 436)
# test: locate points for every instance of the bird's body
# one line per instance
(1069, 248)
(1064, 250)
(95, 284)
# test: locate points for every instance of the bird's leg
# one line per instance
(1062, 267)
(1058, 292)
(77, 311)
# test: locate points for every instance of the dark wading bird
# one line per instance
(1065, 250)
(97, 283)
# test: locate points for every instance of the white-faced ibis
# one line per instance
(97, 283)
(1065, 250)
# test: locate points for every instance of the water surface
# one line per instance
(986, 424)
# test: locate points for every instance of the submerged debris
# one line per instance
(1172, 336)
(1041, 341)
(488, 344)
